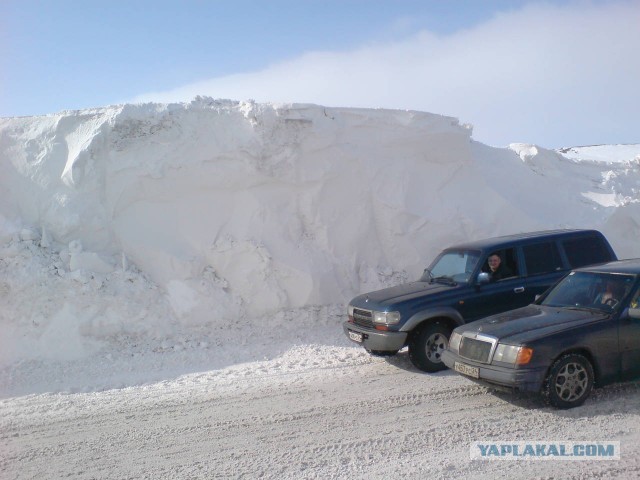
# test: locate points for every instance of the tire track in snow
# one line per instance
(372, 420)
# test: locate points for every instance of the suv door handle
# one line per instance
(518, 289)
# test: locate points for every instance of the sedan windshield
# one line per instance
(452, 266)
(601, 291)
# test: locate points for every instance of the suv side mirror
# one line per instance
(483, 277)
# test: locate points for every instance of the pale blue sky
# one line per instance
(557, 73)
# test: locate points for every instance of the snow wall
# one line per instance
(215, 211)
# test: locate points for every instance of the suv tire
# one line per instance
(426, 346)
(569, 382)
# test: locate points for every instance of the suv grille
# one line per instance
(362, 317)
(474, 349)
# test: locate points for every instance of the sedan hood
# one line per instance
(531, 322)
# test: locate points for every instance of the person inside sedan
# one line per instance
(612, 294)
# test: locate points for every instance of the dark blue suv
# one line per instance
(460, 286)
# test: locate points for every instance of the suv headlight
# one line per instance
(454, 342)
(386, 318)
(513, 354)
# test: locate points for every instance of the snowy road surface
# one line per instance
(314, 412)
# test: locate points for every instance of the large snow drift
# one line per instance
(135, 220)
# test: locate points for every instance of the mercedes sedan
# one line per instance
(584, 331)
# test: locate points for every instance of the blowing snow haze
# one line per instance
(139, 221)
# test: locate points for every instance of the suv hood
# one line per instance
(532, 322)
(398, 294)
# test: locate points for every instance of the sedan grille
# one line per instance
(363, 317)
(474, 349)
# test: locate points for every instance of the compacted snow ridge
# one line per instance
(173, 278)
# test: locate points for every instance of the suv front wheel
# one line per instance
(426, 346)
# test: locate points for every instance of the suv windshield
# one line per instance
(452, 266)
(592, 290)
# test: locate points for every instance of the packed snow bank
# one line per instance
(138, 221)
(603, 153)
(254, 207)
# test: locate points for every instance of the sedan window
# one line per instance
(601, 291)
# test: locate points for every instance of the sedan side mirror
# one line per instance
(483, 277)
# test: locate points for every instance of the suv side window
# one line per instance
(542, 258)
(509, 262)
(585, 251)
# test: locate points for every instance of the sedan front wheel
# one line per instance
(569, 382)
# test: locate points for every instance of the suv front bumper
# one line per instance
(375, 339)
(503, 378)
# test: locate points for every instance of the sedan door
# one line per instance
(629, 340)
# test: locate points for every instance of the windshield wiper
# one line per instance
(445, 279)
(584, 307)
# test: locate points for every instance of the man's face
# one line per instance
(494, 262)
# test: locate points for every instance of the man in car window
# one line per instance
(497, 270)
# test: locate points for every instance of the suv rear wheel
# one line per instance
(426, 346)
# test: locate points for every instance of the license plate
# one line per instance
(355, 336)
(467, 370)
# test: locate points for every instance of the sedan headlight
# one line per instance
(506, 353)
(454, 342)
(513, 354)
(386, 318)
(350, 311)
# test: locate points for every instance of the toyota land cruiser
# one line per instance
(459, 286)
